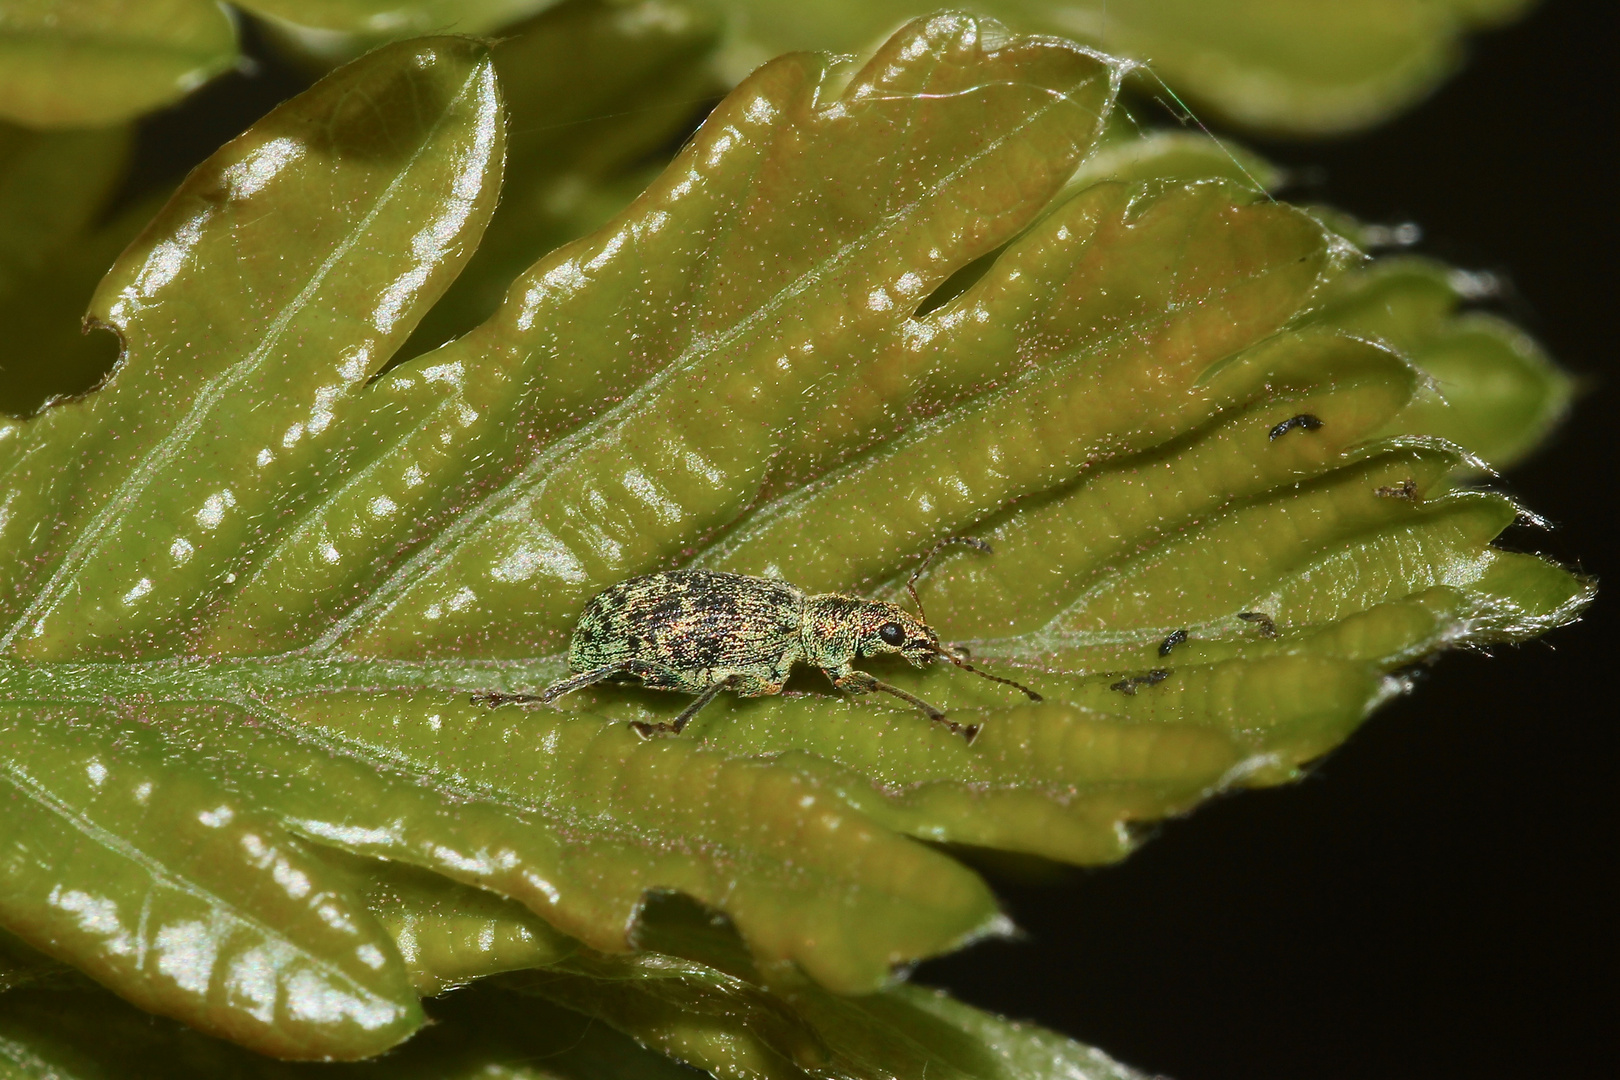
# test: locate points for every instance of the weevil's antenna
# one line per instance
(911, 585)
(965, 666)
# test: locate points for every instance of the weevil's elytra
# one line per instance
(1304, 421)
(704, 631)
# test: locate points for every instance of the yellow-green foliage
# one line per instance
(249, 584)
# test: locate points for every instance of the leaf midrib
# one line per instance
(243, 681)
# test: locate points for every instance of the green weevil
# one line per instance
(704, 631)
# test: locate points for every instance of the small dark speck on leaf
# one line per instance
(1129, 684)
(1260, 619)
(1406, 489)
(1304, 420)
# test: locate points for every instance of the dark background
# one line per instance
(1430, 901)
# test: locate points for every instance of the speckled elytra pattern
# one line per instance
(694, 628)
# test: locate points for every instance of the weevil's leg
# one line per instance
(728, 683)
(860, 682)
(560, 687)
(645, 730)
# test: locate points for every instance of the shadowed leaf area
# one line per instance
(699, 1001)
(57, 238)
(83, 63)
(1296, 67)
(251, 582)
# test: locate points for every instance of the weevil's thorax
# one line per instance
(838, 629)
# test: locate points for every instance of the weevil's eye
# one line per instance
(892, 633)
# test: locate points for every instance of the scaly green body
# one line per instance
(703, 631)
(692, 629)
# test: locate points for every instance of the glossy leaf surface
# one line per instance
(70, 1031)
(692, 994)
(250, 582)
(597, 95)
(77, 63)
(406, 143)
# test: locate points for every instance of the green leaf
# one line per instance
(407, 19)
(1278, 66)
(695, 995)
(448, 934)
(232, 925)
(250, 582)
(91, 62)
(293, 970)
(1273, 65)
(318, 35)
(1494, 390)
(1489, 387)
(71, 1031)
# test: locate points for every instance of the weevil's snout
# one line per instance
(923, 646)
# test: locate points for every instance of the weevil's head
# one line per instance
(885, 628)
(838, 629)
